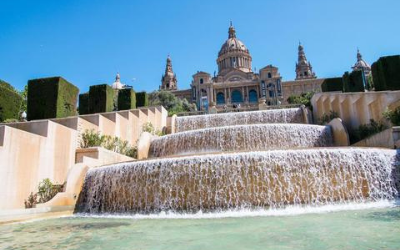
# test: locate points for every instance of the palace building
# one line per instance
(236, 83)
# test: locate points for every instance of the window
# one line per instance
(305, 73)
(237, 96)
(271, 90)
(201, 81)
(253, 96)
(220, 98)
(269, 75)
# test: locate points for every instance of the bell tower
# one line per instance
(168, 80)
(303, 67)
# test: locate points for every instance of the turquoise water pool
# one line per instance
(377, 228)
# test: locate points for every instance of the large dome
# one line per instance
(233, 54)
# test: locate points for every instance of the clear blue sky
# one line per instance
(88, 42)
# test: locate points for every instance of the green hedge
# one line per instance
(386, 73)
(84, 104)
(126, 99)
(332, 84)
(142, 99)
(101, 99)
(10, 104)
(52, 97)
(353, 82)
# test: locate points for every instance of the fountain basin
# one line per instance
(268, 179)
(254, 137)
(292, 115)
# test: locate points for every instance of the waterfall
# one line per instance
(293, 115)
(265, 179)
(242, 138)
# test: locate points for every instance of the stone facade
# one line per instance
(168, 80)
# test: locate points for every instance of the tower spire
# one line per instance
(232, 31)
(168, 80)
(303, 67)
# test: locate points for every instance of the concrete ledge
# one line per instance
(103, 155)
(339, 133)
(171, 124)
(144, 145)
(389, 138)
(19, 215)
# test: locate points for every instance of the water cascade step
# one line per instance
(267, 179)
(292, 115)
(254, 137)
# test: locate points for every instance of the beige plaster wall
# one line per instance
(33, 151)
(384, 139)
(354, 108)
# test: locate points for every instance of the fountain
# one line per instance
(258, 160)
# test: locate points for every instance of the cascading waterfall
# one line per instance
(293, 115)
(243, 137)
(268, 179)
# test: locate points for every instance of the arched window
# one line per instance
(237, 96)
(269, 75)
(220, 98)
(271, 90)
(201, 81)
(253, 96)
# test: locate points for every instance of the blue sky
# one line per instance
(88, 42)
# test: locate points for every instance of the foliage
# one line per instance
(366, 130)
(6, 85)
(126, 99)
(10, 103)
(332, 84)
(31, 201)
(52, 97)
(326, 118)
(24, 95)
(142, 99)
(101, 99)
(170, 102)
(90, 138)
(393, 116)
(304, 98)
(386, 73)
(353, 82)
(148, 127)
(84, 104)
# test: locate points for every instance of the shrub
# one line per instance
(31, 201)
(10, 103)
(148, 127)
(90, 138)
(353, 82)
(386, 73)
(142, 99)
(126, 99)
(46, 191)
(332, 84)
(326, 118)
(101, 99)
(51, 98)
(170, 102)
(393, 116)
(84, 104)
(366, 130)
(304, 98)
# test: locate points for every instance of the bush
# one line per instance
(366, 130)
(353, 82)
(304, 98)
(126, 99)
(31, 201)
(101, 98)
(10, 104)
(393, 116)
(46, 191)
(170, 102)
(327, 118)
(386, 73)
(332, 84)
(90, 138)
(51, 98)
(142, 99)
(84, 104)
(148, 127)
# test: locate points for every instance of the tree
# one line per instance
(170, 102)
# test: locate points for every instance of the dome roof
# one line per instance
(361, 64)
(232, 44)
(117, 84)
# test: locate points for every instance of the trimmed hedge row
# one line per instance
(353, 82)
(386, 73)
(142, 99)
(52, 97)
(126, 99)
(101, 99)
(84, 104)
(10, 103)
(332, 84)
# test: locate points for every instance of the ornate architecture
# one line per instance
(117, 84)
(237, 85)
(361, 65)
(168, 80)
(303, 67)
